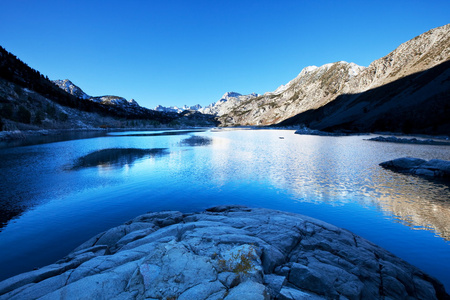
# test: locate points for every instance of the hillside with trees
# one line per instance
(29, 100)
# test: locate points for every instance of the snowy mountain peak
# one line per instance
(352, 68)
(225, 103)
(133, 102)
(177, 109)
(228, 95)
(71, 88)
(308, 69)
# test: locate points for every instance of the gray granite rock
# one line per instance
(393, 139)
(227, 252)
(435, 168)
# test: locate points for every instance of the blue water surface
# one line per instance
(55, 196)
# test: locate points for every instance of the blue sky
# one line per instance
(189, 52)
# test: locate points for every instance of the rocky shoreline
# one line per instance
(393, 139)
(227, 252)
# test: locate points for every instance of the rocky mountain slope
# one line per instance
(129, 106)
(71, 88)
(226, 102)
(30, 101)
(315, 87)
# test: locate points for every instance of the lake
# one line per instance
(56, 195)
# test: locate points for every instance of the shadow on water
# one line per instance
(29, 140)
(196, 141)
(156, 133)
(116, 157)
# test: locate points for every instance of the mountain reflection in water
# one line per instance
(116, 157)
(416, 205)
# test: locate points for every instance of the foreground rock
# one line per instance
(229, 252)
(416, 166)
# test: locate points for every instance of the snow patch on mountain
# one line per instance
(222, 106)
(309, 72)
(177, 109)
(226, 103)
(71, 88)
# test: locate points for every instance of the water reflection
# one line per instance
(337, 171)
(415, 202)
(334, 179)
(196, 140)
(116, 157)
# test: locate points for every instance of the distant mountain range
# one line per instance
(30, 101)
(226, 103)
(176, 109)
(408, 90)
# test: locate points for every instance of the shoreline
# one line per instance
(23, 134)
(17, 138)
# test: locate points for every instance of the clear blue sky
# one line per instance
(188, 52)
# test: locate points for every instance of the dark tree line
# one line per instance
(14, 70)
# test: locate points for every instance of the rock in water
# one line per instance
(227, 252)
(416, 166)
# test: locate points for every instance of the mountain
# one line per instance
(226, 103)
(175, 109)
(222, 106)
(72, 89)
(393, 93)
(30, 101)
(417, 103)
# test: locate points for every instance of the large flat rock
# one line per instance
(227, 252)
(434, 168)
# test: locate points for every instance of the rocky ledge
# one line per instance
(434, 168)
(229, 252)
(393, 139)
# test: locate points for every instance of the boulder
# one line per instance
(403, 164)
(434, 168)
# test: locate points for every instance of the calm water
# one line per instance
(55, 196)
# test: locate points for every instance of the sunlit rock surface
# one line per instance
(228, 252)
(345, 84)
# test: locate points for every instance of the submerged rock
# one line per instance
(416, 166)
(227, 252)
